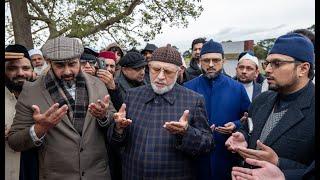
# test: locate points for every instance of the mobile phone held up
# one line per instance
(101, 64)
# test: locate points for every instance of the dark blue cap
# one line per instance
(295, 46)
(211, 47)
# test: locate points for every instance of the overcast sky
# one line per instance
(239, 20)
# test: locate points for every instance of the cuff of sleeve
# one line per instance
(103, 122)
(118, 137)
(237, 123)
(37, 141)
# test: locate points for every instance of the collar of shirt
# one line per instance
(169, 96)
(71, 90)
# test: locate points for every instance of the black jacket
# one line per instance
(293, 139)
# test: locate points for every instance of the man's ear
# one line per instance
(304, 69)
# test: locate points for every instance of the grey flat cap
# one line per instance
(62, 48)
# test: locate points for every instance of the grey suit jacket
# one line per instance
(293, 139)
(64, 154)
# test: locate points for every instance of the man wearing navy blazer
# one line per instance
(283, 131)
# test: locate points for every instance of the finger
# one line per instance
(52, 109)
(125, 122)
(185, 117)
(236, 134)
(228, 124)
(225, 128)
(242, 175)
(106, 99)
(169, 126)
(250, 151)
(172, 131)
(122, 109)
(212, 127)
(246, 154)
(242, 170)
(36, 110)
(261, 146)
(175, 124)
(102, 104)
(95, 106)
(233, 177)
(255, 162)
(60, 113)
(223, 131)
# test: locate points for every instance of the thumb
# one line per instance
(236, 134)
(262, 146)
(228, 124)
(185, 116)
(106, 99)
(123, 108)
(36, 109)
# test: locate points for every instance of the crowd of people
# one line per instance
(74, 113)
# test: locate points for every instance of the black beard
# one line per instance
(211, 76)
(245, 82)
(17, 87)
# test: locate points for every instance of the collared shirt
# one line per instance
(72, 90)
(249, 89)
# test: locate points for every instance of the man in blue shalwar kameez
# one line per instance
(226, 101)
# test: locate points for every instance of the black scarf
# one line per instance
(77, 108)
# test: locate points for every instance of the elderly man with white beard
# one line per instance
(38, 62)
(162, 125)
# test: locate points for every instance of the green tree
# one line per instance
(260, 52)
(312, 28)
(267, 44)
(125, 21)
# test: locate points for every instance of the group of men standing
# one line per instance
(90, 115)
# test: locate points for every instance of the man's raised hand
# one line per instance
(49, 119)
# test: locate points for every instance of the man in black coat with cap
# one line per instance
(131, 75)
(147, 53)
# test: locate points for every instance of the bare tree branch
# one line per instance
(40, 29)
(40, 18)
(40, 11)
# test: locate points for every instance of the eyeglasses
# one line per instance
(167, 72)
(277, 63)
(209, 60)
(83, 62)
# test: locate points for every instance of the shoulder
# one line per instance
(264, 96)
(93, 79)
(192, 82)
(188, 93)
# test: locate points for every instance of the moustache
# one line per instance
(269, 77)
(67, 76)
(19, 79)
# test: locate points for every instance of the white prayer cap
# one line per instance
(250, 57)
(34, 51)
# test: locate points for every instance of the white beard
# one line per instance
(164, 89)
(38, 70)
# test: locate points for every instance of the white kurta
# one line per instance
(12, 158)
